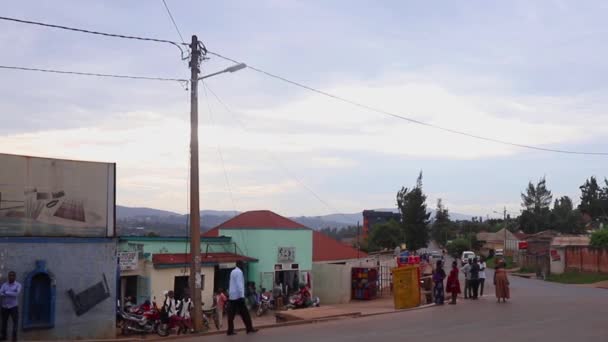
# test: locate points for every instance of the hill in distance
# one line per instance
(141, 221)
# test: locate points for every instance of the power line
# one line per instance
(277, 160)
(176, 44)
(173, 21)
(147, 78)
(405, 118)
(219, 149)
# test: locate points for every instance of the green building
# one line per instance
(283, 248)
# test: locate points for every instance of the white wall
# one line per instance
(558, 267)
(332, 283)
(162, 279)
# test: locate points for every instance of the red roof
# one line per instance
(325, 248)
(259, 219)
(206, 258)
(215, 232)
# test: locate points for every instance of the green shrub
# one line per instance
(599, 239)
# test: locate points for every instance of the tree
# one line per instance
(564, 218)
(594, 199)
(599, 239)
(535, 202)
(441, 225)
(385, 235)
(414, 216)
(456, 247)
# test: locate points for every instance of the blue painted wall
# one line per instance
(76, 264)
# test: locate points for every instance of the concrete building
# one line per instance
(283, 248)
(493, 241)
(557, 253)
(152, 265)
(57, 233)
(374, 217)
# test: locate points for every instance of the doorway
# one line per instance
(180, 286)
(130, 287)
(289, 280)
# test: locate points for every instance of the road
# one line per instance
(538, 312)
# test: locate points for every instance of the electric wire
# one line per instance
(173, 21)
(405, 118)
(113, 35)
(277, 160)
(54, 71)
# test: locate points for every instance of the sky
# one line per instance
(527, 72)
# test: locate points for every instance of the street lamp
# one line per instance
(195, 219)
(233, 68)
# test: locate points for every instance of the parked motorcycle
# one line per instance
(148, 322)
(296, 302)
(264, 305)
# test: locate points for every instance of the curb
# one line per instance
(269, 326)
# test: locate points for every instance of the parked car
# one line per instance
(436, 255)
(466, 255)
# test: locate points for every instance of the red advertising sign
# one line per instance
(522, 245)
(555, 255)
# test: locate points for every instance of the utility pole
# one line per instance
(195, 219)
(505, 221)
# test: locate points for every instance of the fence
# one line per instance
(587, 259)
(539, 263)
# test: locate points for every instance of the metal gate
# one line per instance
(385, 280)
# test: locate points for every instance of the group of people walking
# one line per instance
(475, 277)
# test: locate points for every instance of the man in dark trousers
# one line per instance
(236, 300)
(9, 301)
(474, 280)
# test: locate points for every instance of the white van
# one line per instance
(466, 255)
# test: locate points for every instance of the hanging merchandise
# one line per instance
(364, 283)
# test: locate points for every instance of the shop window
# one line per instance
(39, 298)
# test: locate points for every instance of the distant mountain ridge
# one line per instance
(141, 220)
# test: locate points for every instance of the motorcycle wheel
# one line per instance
(162, 330)
(259, 311)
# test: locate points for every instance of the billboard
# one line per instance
(55, 197)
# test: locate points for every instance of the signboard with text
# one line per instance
(128, 261)
(286, 254)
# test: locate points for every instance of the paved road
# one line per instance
(538, 312)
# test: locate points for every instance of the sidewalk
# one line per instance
(378, 306)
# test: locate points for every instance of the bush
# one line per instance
(599, 239)
(456, 247)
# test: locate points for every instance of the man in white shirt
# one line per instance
(9, 302)
(236, 300)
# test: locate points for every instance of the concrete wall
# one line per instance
(558, 266)
(263, 245)
(163, 279)
(76, 263)
(332, 283)
(587, 259)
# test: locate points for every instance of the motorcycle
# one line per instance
(264, 305)
(147, 322)
(296, 302)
